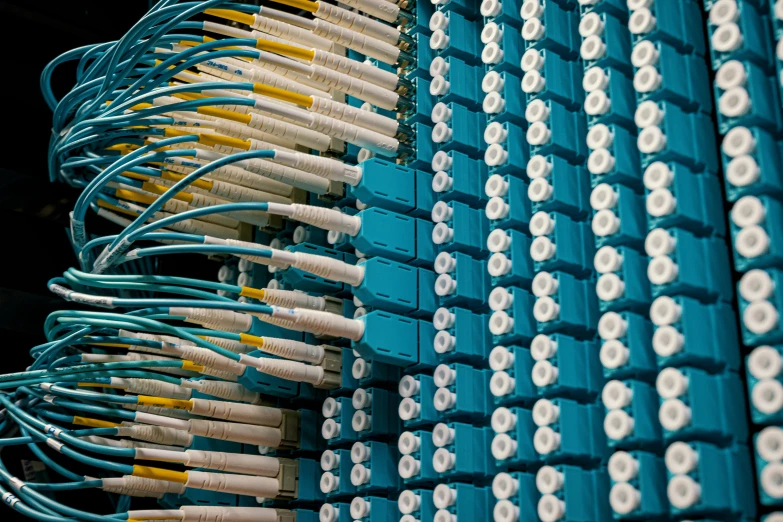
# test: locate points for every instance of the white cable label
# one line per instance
(52, 430)
(10, 499)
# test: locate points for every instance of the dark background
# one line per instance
(34, 212)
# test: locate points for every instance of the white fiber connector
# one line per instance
(321, 217)
(222, 319)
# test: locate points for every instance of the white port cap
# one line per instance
(503, 447)
(408, 443)
(618, 424)
(495, 155)
(532, 61)
(500, 358)
(748, 211)
(546, 440)
(597, 103)
(680, 458)
(550, 508)
(440, 113)
(444, 399)
(595, 79)
(538, 167)
(734, 103)
(591, 24)
(605, 223)
(647, 79)
(760, 317)
(439, 86)
(769, 444)
(441, 132)
(616, 394)
(439, 39)
(500, 299)
(659, 242)
(492, 82)
(500, 323)
(657, 175)
(751, 242)
(442, 435)
(503, 420)
(671, 383)
(603, 196)
(444, 263)
(329, 460)
(624, 498)
(327, 513)
(664, 311)
(496, 186)
(641, 21)
(538, 134)
(549, 480)
(504, 486)
(599, 137)
(765, 362)
(498, 241)
(492, 53)
(541, 224)
(546, 309)
(493, 103)
(600, 162)
(542, 347)
(667, 341)
(443, 496)
(361, 399)
(739, 141)
(408, 386)
(492, 31)
(545, 412)
(331, 407)
(501, 384)
(505, 511)
(611, 326)
(609, 287)
(444, 376)
(544, 374)
(644, 53)
(498, 265)
(723, 12)
(496, 209)
(442, 233)
(727, 38)
(542, 248)
(651, 140)
(441, 161)
(533, 82)
(531, 9)
(622, 467)
(614, 354)
(742, 171)
(543, 284)
(536, 110)
(592, 48)
(683, 491)
(731, 74)
(360, 508)
(408, 502)
(674, 415)
(533, 29)
(767, 396)
(772, 480)
(661, 270)
(539, 190)
(408, 467)
(408, 409)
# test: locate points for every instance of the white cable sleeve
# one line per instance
(230, 345)
(238, 412)
(362, 70)
(321, 217)
(157, 435)
(291, 33)
(226, 319)
(321, 323)
(239, 176)
(355, 87)
(382, 9)
(156, 514)
(140, 484)
(288, 18)
(358, 42)
(152, 387)
(228, 514)
(157, 410)
(364, 138)
(206, 357)
(221, 70)
(162, 420)
(320, 166)
(293, 350)
(219, 375)
(247, 244)
(216, 460)
(309, 138)
(125, 443)
(356, 116)
(253, 486)
(322, 266)
(283, 323)
(224, 390)
(236, 432)
(288, 370)
(295, 178)
(356, 22)
(293, 299)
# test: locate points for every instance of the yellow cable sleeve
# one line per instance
(225, 114)
(165, 402)
(94, 423)
(112, 345)
(281, 94)
(255, 293)
(160, 474)
(203, 184)
(252, 340)
(285, 49)
(193, 367)
(134, 196)
(161, 189)
(234, 16)
(97, 385)
(213, 140)
(104, 204)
